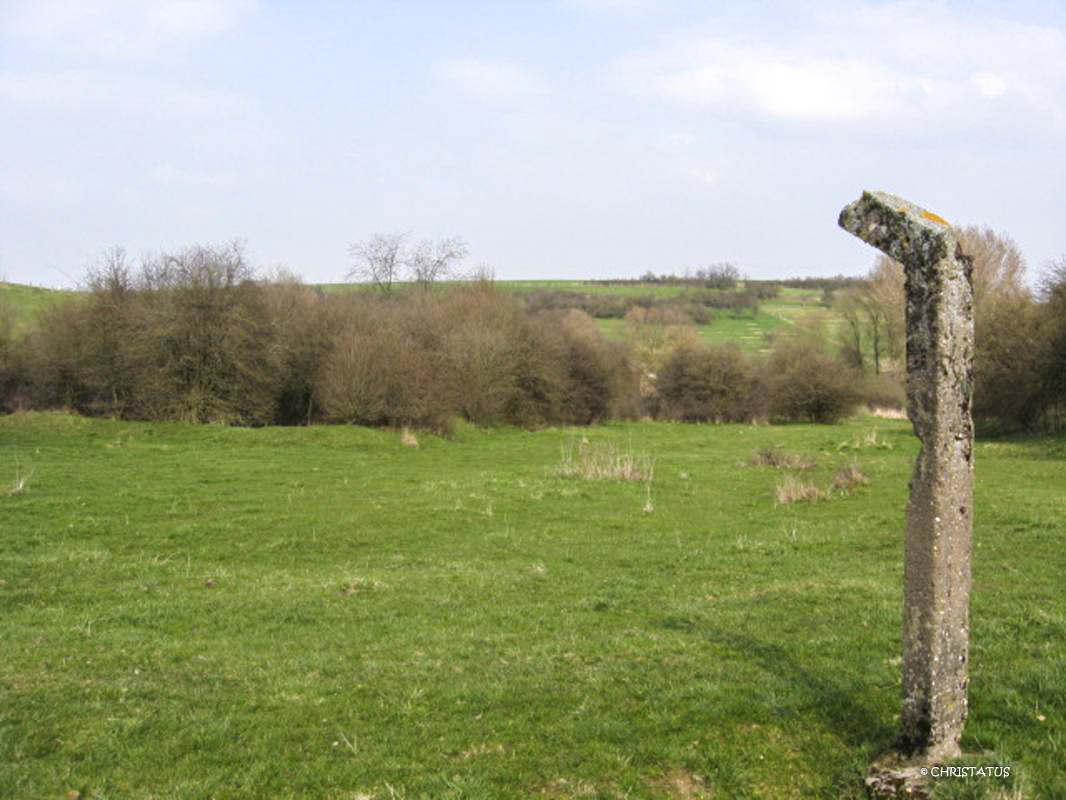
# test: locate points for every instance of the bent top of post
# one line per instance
(899, 228)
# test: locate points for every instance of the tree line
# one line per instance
(698, 305)
(1020, 334)
(198, 335)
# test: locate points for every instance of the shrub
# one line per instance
(885, 391)
(1010, 364)
(304, 325)
(12, 358)
(209, 353)
(57, 351)
(601, 306)
(1020, 361)
(383, 367)
(540, 374)
(699, 314)
(351, 386)
(1053, 306)
(653, 334)
(600, 381)
(478, 353)
(805, 384)
(508, 365)
(472, 352)
(698, 383)
(191, 336)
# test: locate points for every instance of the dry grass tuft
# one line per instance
(359, 585)
(793, 490)
(888, 413)
(564, 787)
(680, 784)
(599, 462)
(648, 507)
(870, 440)
(848, 477)
(21, 482)
(778, 458)
(483, 750)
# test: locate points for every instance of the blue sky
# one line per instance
(561, 138)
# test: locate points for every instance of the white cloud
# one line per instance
(858, 62)
(773, 81)
(990, 84)
(117, 29)
(493, 80)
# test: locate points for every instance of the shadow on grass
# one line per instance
(843, 710)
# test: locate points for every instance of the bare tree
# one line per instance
(379, 260)
(113, 347)
(885, 293)
(385, 258)
(719, 276)
(848, 306)
(433, 261)
(112, 274)
(998, 270)
(868, 318)
(998, 266)
(998, 278)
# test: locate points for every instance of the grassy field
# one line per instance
(27, 302)
(328, 613)
(657, 290)
(747, 332)
(790, 308)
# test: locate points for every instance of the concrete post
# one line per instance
(936, 604)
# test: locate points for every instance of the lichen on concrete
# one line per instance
(939, 313)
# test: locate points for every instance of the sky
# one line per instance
(562, 139)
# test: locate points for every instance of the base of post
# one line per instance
(895, 776)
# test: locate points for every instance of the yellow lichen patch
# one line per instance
(931, 216)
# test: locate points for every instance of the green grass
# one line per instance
(747, 332)
(790, 308)
(28, 302)
(326, 613)
(804, 307)
(588, 287)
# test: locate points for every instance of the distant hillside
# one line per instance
(25, 303)
(780, 308)
(748, 328)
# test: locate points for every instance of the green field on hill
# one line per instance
(26, 303)
(751, 332)
(330, 612)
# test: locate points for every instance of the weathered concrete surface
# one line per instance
(936, 620)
